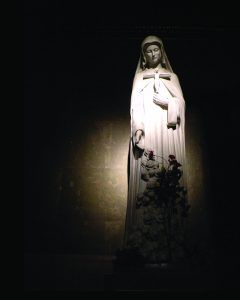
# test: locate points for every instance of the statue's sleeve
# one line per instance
(176, 104)
(173, 112)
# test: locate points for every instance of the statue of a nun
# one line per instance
(157, 145)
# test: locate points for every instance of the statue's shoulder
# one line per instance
(138, 78)
(174, 76)
(139, 75)
(137, 82)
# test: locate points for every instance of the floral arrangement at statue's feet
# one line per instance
(159, 238)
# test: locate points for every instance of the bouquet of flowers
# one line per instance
(163, 207)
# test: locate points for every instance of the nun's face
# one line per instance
(153, 56)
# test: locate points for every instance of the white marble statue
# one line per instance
(157, 123)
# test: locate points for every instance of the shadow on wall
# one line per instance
(92, 186)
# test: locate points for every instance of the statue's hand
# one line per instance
(160, 100)
(138, 136)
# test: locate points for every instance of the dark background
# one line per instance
(79, 63)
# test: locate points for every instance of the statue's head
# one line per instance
(152, 52)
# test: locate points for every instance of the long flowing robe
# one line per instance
(163, 133)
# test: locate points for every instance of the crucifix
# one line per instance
(156, 77)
